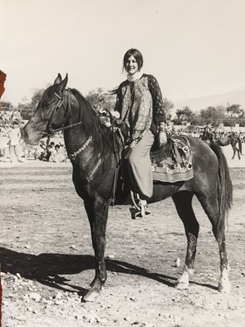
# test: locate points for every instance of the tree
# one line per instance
(99, 99)
(25, 110)
(6, 106)
(28, 109)
(213, 115)
(234, 112)
(36, 97)
(185, 115)
(8, 113)
(168, 105)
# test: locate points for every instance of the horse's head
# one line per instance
(50, 113)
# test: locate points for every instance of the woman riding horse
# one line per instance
(94, 150)
(139, 102)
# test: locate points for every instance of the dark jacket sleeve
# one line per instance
(158, 106)
(118, 105)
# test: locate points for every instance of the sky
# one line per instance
(193, 47)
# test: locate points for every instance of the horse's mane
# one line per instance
(105, 141)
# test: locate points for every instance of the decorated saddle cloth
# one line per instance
(173, 163)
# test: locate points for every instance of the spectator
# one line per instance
(50, 151)
(63, 152)
(14, 135)
(4, 141)
(57, 155)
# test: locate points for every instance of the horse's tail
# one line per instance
(239, 144)
(224, 189)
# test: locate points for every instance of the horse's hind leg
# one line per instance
(183, 205)
(209, 203)
(238, 154)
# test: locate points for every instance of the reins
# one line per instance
(52, 130)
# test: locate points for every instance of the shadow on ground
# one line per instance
(46, 268)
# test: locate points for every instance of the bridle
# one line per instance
(50, 130)
(61, 99)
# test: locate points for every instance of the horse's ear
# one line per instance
(63, 83)
(58, 79)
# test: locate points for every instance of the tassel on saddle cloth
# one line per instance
(174, 162)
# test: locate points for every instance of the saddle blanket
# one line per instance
(174, 162)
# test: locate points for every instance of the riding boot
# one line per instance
(139, 206)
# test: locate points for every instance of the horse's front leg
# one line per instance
(97, 213)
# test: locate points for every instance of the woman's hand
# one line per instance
(126, 152)
(129, 148)
(162, 138)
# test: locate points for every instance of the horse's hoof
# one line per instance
(183, 281)
(91, 296)
(224, 287)
(181, 286)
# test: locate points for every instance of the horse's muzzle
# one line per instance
(30, 137)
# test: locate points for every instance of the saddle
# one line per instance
(172, 162)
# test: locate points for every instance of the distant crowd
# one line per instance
(219, 133)
(45, 151)
(13, 148)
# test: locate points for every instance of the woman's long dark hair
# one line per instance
(139, 58)
(136, 54)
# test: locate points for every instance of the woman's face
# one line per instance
(131, 66)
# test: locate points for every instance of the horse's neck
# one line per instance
(89, 138)
(75, 135)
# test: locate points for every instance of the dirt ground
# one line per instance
(47, 258)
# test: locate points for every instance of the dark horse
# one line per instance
(93, 149)
(231, 139)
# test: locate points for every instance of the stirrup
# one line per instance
(139, 204)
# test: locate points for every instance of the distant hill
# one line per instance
(196, 104)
